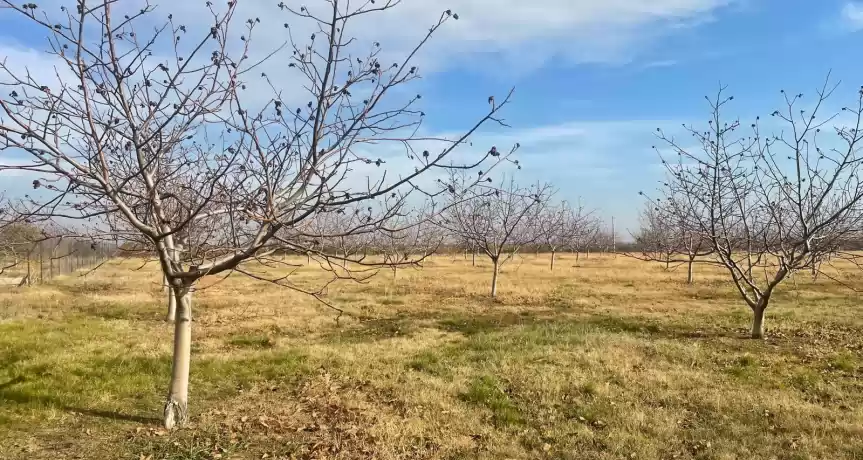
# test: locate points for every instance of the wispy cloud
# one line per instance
(852, 16)
(510, 35)
(659, 64)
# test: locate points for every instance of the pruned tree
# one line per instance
(664, 238)
(498, 221)
(584, 235)
(768, 205)
(408, 239)
(146, 131)
(560, 226)
(657, 239)
(342, 234)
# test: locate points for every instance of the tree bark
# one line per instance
(689, 271)
(494, 279)
(172, 307)
(577, 254)
(473, 259)
(177, 404)
(552, 260)
(758, 321)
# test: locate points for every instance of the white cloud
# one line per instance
(852, 15)
(516, 34)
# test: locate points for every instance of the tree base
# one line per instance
(176, 414)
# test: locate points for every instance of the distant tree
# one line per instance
(767, 205)
(20, 236)
(663, 238)
(560, 226)
(584, 235)
(145, 134)
(497, 221)
(657, 239)
(408, 239)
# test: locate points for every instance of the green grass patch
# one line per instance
(430, 363)
(251, 341)
(487, 391)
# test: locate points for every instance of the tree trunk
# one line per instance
(689, 271)
(177, 405)
(552, 260)
(577, 254)
(494, 279)
(667, 262)
(172, 307)
(758, 321)
(473, 259)
(587, 254)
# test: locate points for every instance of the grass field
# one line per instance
(613, 359)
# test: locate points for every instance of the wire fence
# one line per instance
(35, 263)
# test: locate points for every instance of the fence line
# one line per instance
(36, 263)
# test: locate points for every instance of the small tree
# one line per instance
(663, 238)
(408, 240)
(148, 136)
(768, 205)
(560, 226)
(498, 221)
(657, 238)
(584, 235)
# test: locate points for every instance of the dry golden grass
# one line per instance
(615, 358)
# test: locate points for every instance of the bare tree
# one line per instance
(342, 234)
(657, 238)
(148, 136)
(408, 239)
(560, 226)
(498, 221)
(584, 235)
(768, 205)
(664, 238)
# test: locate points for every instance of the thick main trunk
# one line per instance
(494, 279)
(689, 272)
(577, 254)
(177, 404)
(552, 260)
(758, 322)
(171, 316)
(473, 259)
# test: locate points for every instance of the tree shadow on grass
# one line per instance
(699, 329)
(406, 323)
(10, 395)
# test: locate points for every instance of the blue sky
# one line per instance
(756, 47)
(595, 79)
